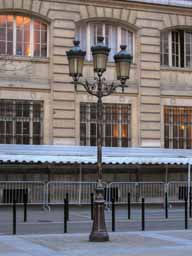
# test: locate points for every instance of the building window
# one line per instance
(20, 122)
(23, 36)
(176, 48)
(178, 127)
(116, 125)
(114, 36)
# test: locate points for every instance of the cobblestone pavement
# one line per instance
(169, 243)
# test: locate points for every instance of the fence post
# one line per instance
(92, 206)
(67, 203)
(186, 214)
(190, 206)
(143, 214)
(129, 205)
(113, 214)
(65, 215)
(166, 205)
(14, 217)
(25, 206)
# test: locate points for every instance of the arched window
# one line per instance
(176, 48)
(22, 36)
(114, 36)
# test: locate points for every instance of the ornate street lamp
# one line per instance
(99, 88)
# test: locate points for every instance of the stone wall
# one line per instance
(150, 86)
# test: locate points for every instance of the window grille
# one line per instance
(20, 122)
(23, 36)
(178, 127)
(116, 125)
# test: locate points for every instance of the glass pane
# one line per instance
(2, 127)
(26, 110)
(44, 50)
(37, 24)
(18, 128)
(3, 20)
(36, 128)
(2, 47)
(43, 37)
(93, 130)
(9, 127)
(36, 37)
(37, 50)
(25, 128)
(2, 34)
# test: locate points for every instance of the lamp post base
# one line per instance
(99, 231)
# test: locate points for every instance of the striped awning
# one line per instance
(58, 154)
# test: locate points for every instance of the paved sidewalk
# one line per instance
(169, 243)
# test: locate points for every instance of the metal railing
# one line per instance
(153, 192)
(79, 193)
(16, 190)
(177, 191)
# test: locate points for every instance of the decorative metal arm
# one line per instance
(106, 88)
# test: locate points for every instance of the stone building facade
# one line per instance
(152, 85)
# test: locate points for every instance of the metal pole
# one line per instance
(14, 217)
(80, 183)
(190, 205)
(186, 214)
(189, 186)
(113, 215)
(65, 215)
(99, 230)
(166, 206)
(143, 214)
(92, 204)
(129, 206)
(67, 205)
(25, 206)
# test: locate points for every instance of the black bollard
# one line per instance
(14, 217)
(166, 206)
(25, 199)
(113, 214)
(143, 214)
(92, 196)
(129, 205)
(65, 215)
(67, 198)
(186, 214)
(190, 205)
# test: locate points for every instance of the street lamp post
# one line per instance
(99, 88)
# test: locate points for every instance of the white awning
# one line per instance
(56, 154)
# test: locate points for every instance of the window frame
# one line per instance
(15, 119)
(170, 49)
(31, 40)
(175, 125)
(119, 27)
(109, 122)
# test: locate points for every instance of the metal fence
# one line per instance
(177, 191)
(79, 193)
(16, 190)
(153, 192)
